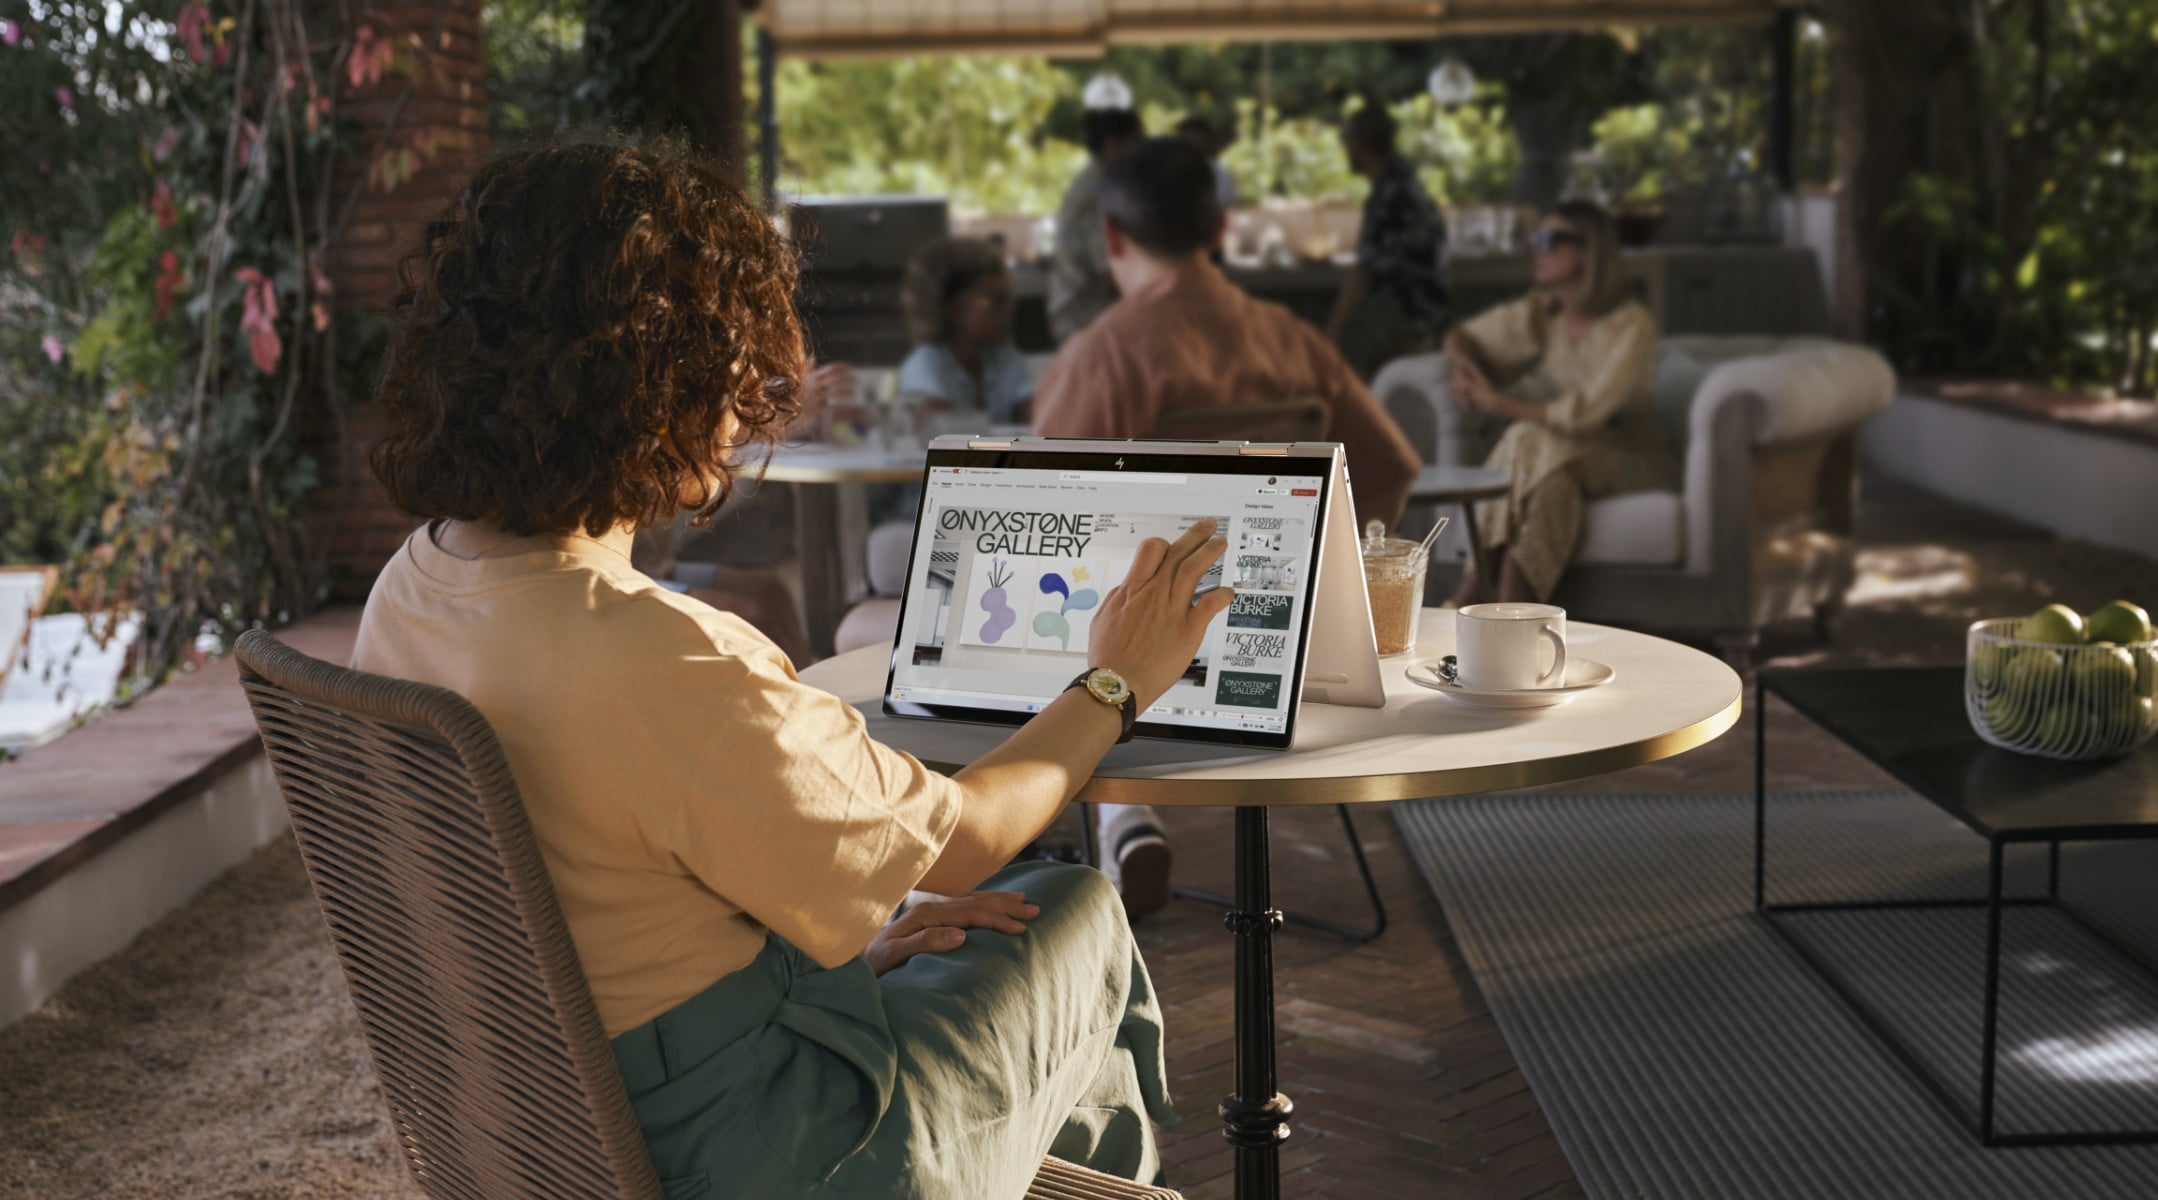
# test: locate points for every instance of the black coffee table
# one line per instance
(1910, 721)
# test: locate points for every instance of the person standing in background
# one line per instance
(1394, 301)
(1080, 286)
(1200, 132)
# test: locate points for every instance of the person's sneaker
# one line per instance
(1060, 852)
(1142, 871)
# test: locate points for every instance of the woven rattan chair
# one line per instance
(498, 1075)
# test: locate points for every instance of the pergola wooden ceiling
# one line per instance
(1081, 28)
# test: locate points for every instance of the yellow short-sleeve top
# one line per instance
(688, 793)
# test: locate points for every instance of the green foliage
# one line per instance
(164, 319)
(1317, 80)
(974, 128)
(535, 66)
(1292, 148)
(1709, 109)
(1002, 133)
(992, 133)
(2045, 241)
(1463, 155)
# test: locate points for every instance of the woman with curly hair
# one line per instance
(958, 303)
(588, 340)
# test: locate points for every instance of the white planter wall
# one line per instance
(96, 909)
(2093, 486)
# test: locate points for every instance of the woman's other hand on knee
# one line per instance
(938, 926)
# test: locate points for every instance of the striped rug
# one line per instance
(1681, 1049)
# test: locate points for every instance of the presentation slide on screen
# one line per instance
(1012, 565)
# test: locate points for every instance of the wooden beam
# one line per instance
(1377, 23)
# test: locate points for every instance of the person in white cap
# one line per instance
(1080, 285)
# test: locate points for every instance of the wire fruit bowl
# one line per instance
(2059, 701)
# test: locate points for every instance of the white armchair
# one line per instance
(1762, 525)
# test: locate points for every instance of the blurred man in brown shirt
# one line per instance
(1180, 336)
(1183, 335)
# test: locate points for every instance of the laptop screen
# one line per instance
(1015, 550)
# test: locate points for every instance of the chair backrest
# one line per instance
(491, 1056)
(1412, 390)
(1273, 421)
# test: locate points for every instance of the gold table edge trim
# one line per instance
(1415, 785)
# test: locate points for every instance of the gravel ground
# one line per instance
(216, 1057)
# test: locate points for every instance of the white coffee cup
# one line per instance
(1498, 647)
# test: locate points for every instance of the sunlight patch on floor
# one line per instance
(2124, 1056)
(1897, 574)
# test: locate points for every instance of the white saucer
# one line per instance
(1582, 674)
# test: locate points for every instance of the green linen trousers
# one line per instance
(948, 1078)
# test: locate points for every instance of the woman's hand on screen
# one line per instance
(937, 926)
(1150, 626)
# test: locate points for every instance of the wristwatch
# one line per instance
(1109, 687)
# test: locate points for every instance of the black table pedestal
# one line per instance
(1255, 1119)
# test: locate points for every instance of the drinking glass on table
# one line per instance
(1394, 578)
(831, 408)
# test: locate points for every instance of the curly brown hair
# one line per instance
(587, 336)
(937, 273)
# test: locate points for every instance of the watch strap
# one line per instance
(1127, 708)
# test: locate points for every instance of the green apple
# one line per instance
(2033, 676)
(2139, 713)
(2056, 623)
(2004, 717)
(1986, 665)
(2102, 675)
(2119, 621)
(2064, 727)
(2123, 723)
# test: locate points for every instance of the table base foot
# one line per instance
(1255, 1126)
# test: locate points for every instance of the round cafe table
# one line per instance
(1461, 487)
(1665, 699)
(830, 519)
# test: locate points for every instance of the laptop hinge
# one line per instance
(990, 444)
(1262, 448)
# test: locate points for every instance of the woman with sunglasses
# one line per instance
(1568, 368)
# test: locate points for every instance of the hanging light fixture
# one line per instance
(1452, 82)
(1106, 91)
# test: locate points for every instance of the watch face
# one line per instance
(1107, 684)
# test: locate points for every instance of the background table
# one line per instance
(831, 519)
(1911, 722)
(1461, 487)
(831, 516)
(1666, 699)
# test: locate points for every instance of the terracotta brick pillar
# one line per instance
(436, 93)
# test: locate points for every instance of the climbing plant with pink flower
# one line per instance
(175, 181)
